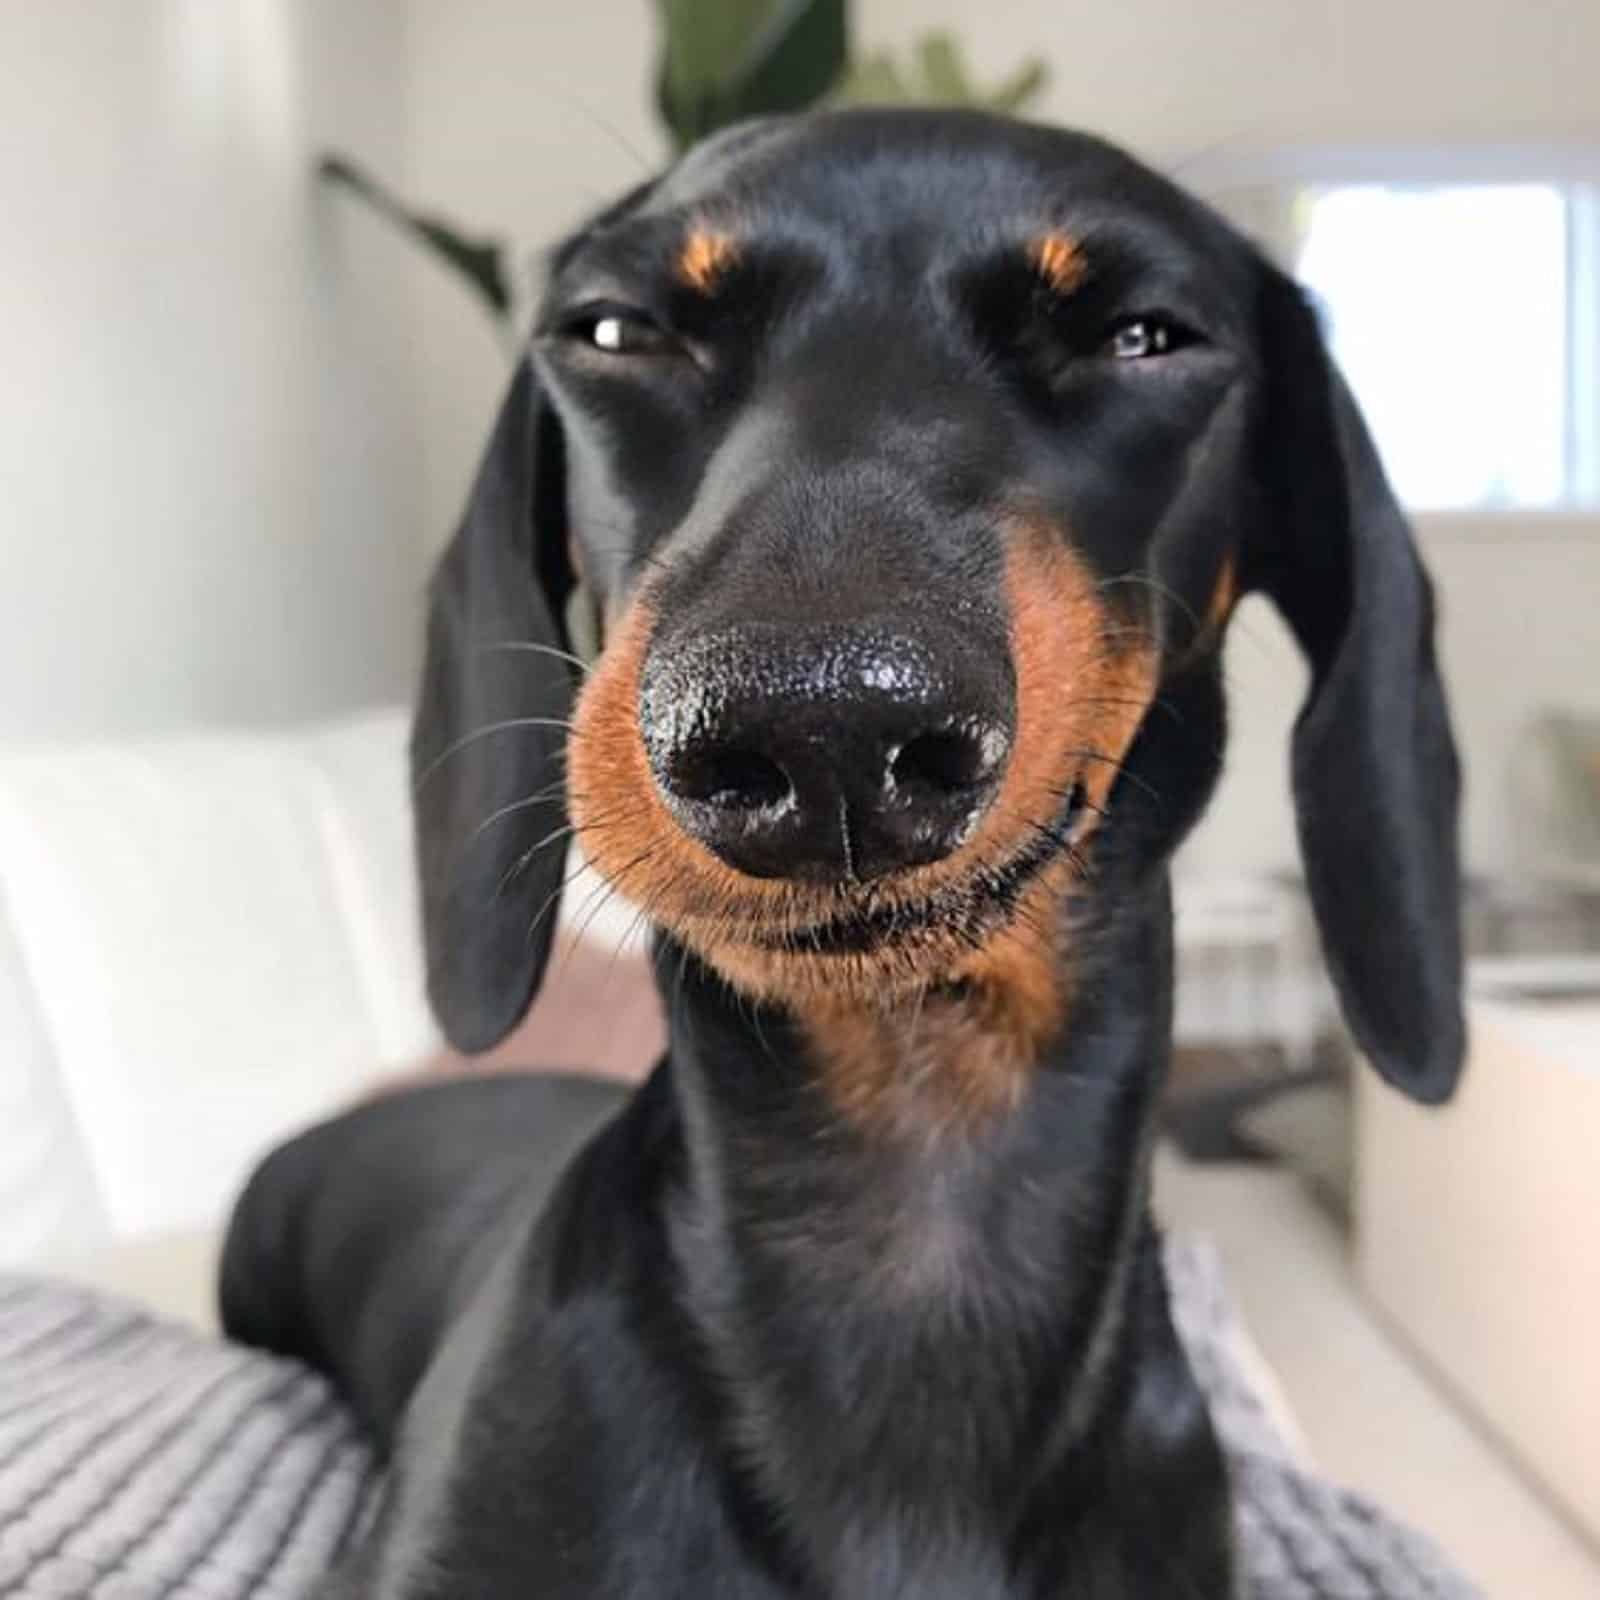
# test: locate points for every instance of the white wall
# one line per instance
(1176, 80)
(526, 115)
(207, 479)
(1519, 632)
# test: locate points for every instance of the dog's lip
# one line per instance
(965, 907)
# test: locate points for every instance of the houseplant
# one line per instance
(719, 61)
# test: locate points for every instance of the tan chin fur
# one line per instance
(926, 1014)
(955, 1055)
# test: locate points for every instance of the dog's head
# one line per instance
(915, 462)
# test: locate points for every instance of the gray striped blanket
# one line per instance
(142, 1461)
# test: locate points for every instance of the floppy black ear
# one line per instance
(1376, 781)
(487, 742)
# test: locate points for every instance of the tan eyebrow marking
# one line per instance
(706, 254)
(1058, 260)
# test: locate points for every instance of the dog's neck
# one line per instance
(855, 1285)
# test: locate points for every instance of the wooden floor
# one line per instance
(1370, 1415)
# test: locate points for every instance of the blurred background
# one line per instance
(246, 393)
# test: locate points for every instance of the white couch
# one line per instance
(205, 941)
(208, 940)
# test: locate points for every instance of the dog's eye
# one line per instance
(619, 331)
(1140, 338)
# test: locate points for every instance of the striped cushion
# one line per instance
(139, 1460)
(142, 1461)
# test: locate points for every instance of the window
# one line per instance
(1467, 319)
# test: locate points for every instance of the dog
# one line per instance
(914, 463)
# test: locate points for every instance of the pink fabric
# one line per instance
(595, 1014)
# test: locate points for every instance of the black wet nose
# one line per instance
(830, 754)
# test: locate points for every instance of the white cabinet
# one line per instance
(1478, 1224)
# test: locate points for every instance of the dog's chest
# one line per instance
(890, 1358)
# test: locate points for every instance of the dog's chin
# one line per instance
(876, 944)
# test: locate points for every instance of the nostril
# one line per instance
(738, 780)
(949, 761)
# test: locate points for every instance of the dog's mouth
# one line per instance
(970, 909)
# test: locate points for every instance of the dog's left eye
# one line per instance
(1140, 338)
(620, 331)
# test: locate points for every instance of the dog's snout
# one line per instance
(828, 754)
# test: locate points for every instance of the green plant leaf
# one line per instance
(700, 42)
(944, 74)
(480, 263)
(723, 60)
(938, 76)
(873, 81)
(1021, 87)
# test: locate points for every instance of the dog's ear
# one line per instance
(1376, 781)
(486, 747)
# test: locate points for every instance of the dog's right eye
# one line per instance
(618, 331)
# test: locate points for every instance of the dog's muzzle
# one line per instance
(828, 753)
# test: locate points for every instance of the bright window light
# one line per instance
(1463, 316)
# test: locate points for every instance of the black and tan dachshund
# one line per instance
(914, 462)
